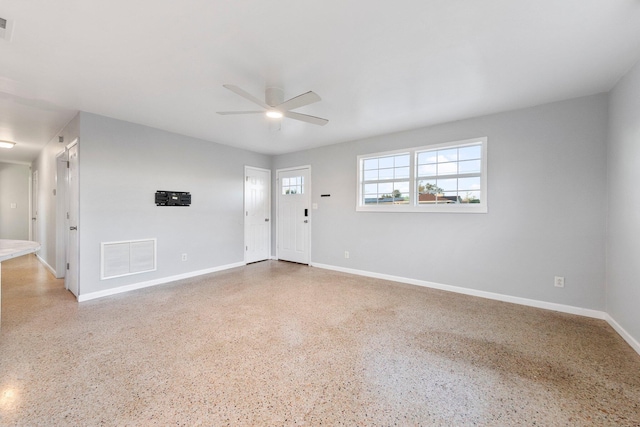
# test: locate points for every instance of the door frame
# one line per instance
(246, 168)
(34, 188)
(277, 213)
(73, 143)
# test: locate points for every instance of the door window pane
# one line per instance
(293, 185)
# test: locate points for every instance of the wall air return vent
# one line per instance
(125, 258)
(6, 29)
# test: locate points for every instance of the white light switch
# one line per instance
(314, 206)
(13, 206)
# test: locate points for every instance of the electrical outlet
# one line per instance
(559, 282)
(184, 257)
(346, 254)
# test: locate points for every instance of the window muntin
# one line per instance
(447, 177)
(293, 185)
(385, 179)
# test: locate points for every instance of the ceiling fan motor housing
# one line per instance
(274, 96)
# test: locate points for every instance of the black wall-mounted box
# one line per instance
(173, 198)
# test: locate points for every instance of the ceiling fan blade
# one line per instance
(305, 118)
(299, 101)
(226, 113)
(247, 95)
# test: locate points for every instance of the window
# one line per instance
(293, 185)
(447, 177)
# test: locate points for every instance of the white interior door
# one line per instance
(61, 214)
(294, 215)
(71, 278)
(257, 221)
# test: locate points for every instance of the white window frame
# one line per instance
(413, 206)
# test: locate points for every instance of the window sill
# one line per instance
(466, 208)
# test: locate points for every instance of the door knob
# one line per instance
(306, 221)
(266, 220)
(73, 228)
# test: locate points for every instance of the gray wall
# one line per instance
(14, 189)
(123, 164)
(623, 236)
(546, 174)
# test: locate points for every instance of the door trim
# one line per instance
(73, 143)
(276, 184)
(244, 209)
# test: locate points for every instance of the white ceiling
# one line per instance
(379, 66)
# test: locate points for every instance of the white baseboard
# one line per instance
(46, 265)
(623, 333)
(155, 282)
(473, 292)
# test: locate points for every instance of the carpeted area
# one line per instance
(275, 343)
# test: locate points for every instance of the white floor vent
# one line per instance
(125, 258)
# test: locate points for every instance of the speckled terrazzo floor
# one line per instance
(276, 343)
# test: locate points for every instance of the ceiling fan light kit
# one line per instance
(6, 144)
(274, 114)
(275, 108)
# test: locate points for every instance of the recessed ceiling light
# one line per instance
(7, 144)
(274, 114)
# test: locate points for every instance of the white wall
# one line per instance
(623, 234)
(546, 208)
(123, 164)
(14, 191)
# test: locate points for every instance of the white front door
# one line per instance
(257, 210)
(71, 278)
(294, 215)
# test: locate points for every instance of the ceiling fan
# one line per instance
(275, 108)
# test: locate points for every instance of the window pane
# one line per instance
(371, 200)
(371, 175)
(403, 186)
(371, 164)
(470, 153)
(285, 182)
(450, 155)
(447, 168)
(370, 188)
(429, 187)
(402, 173)
(470, 197)
(385, 162)
(385, 199)
(448, 184)
(465, 184)
(427, 170)
(386, 187)
(470, 166)
(385, 174)
(450, 197)
(427, 157)
(402, 160)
